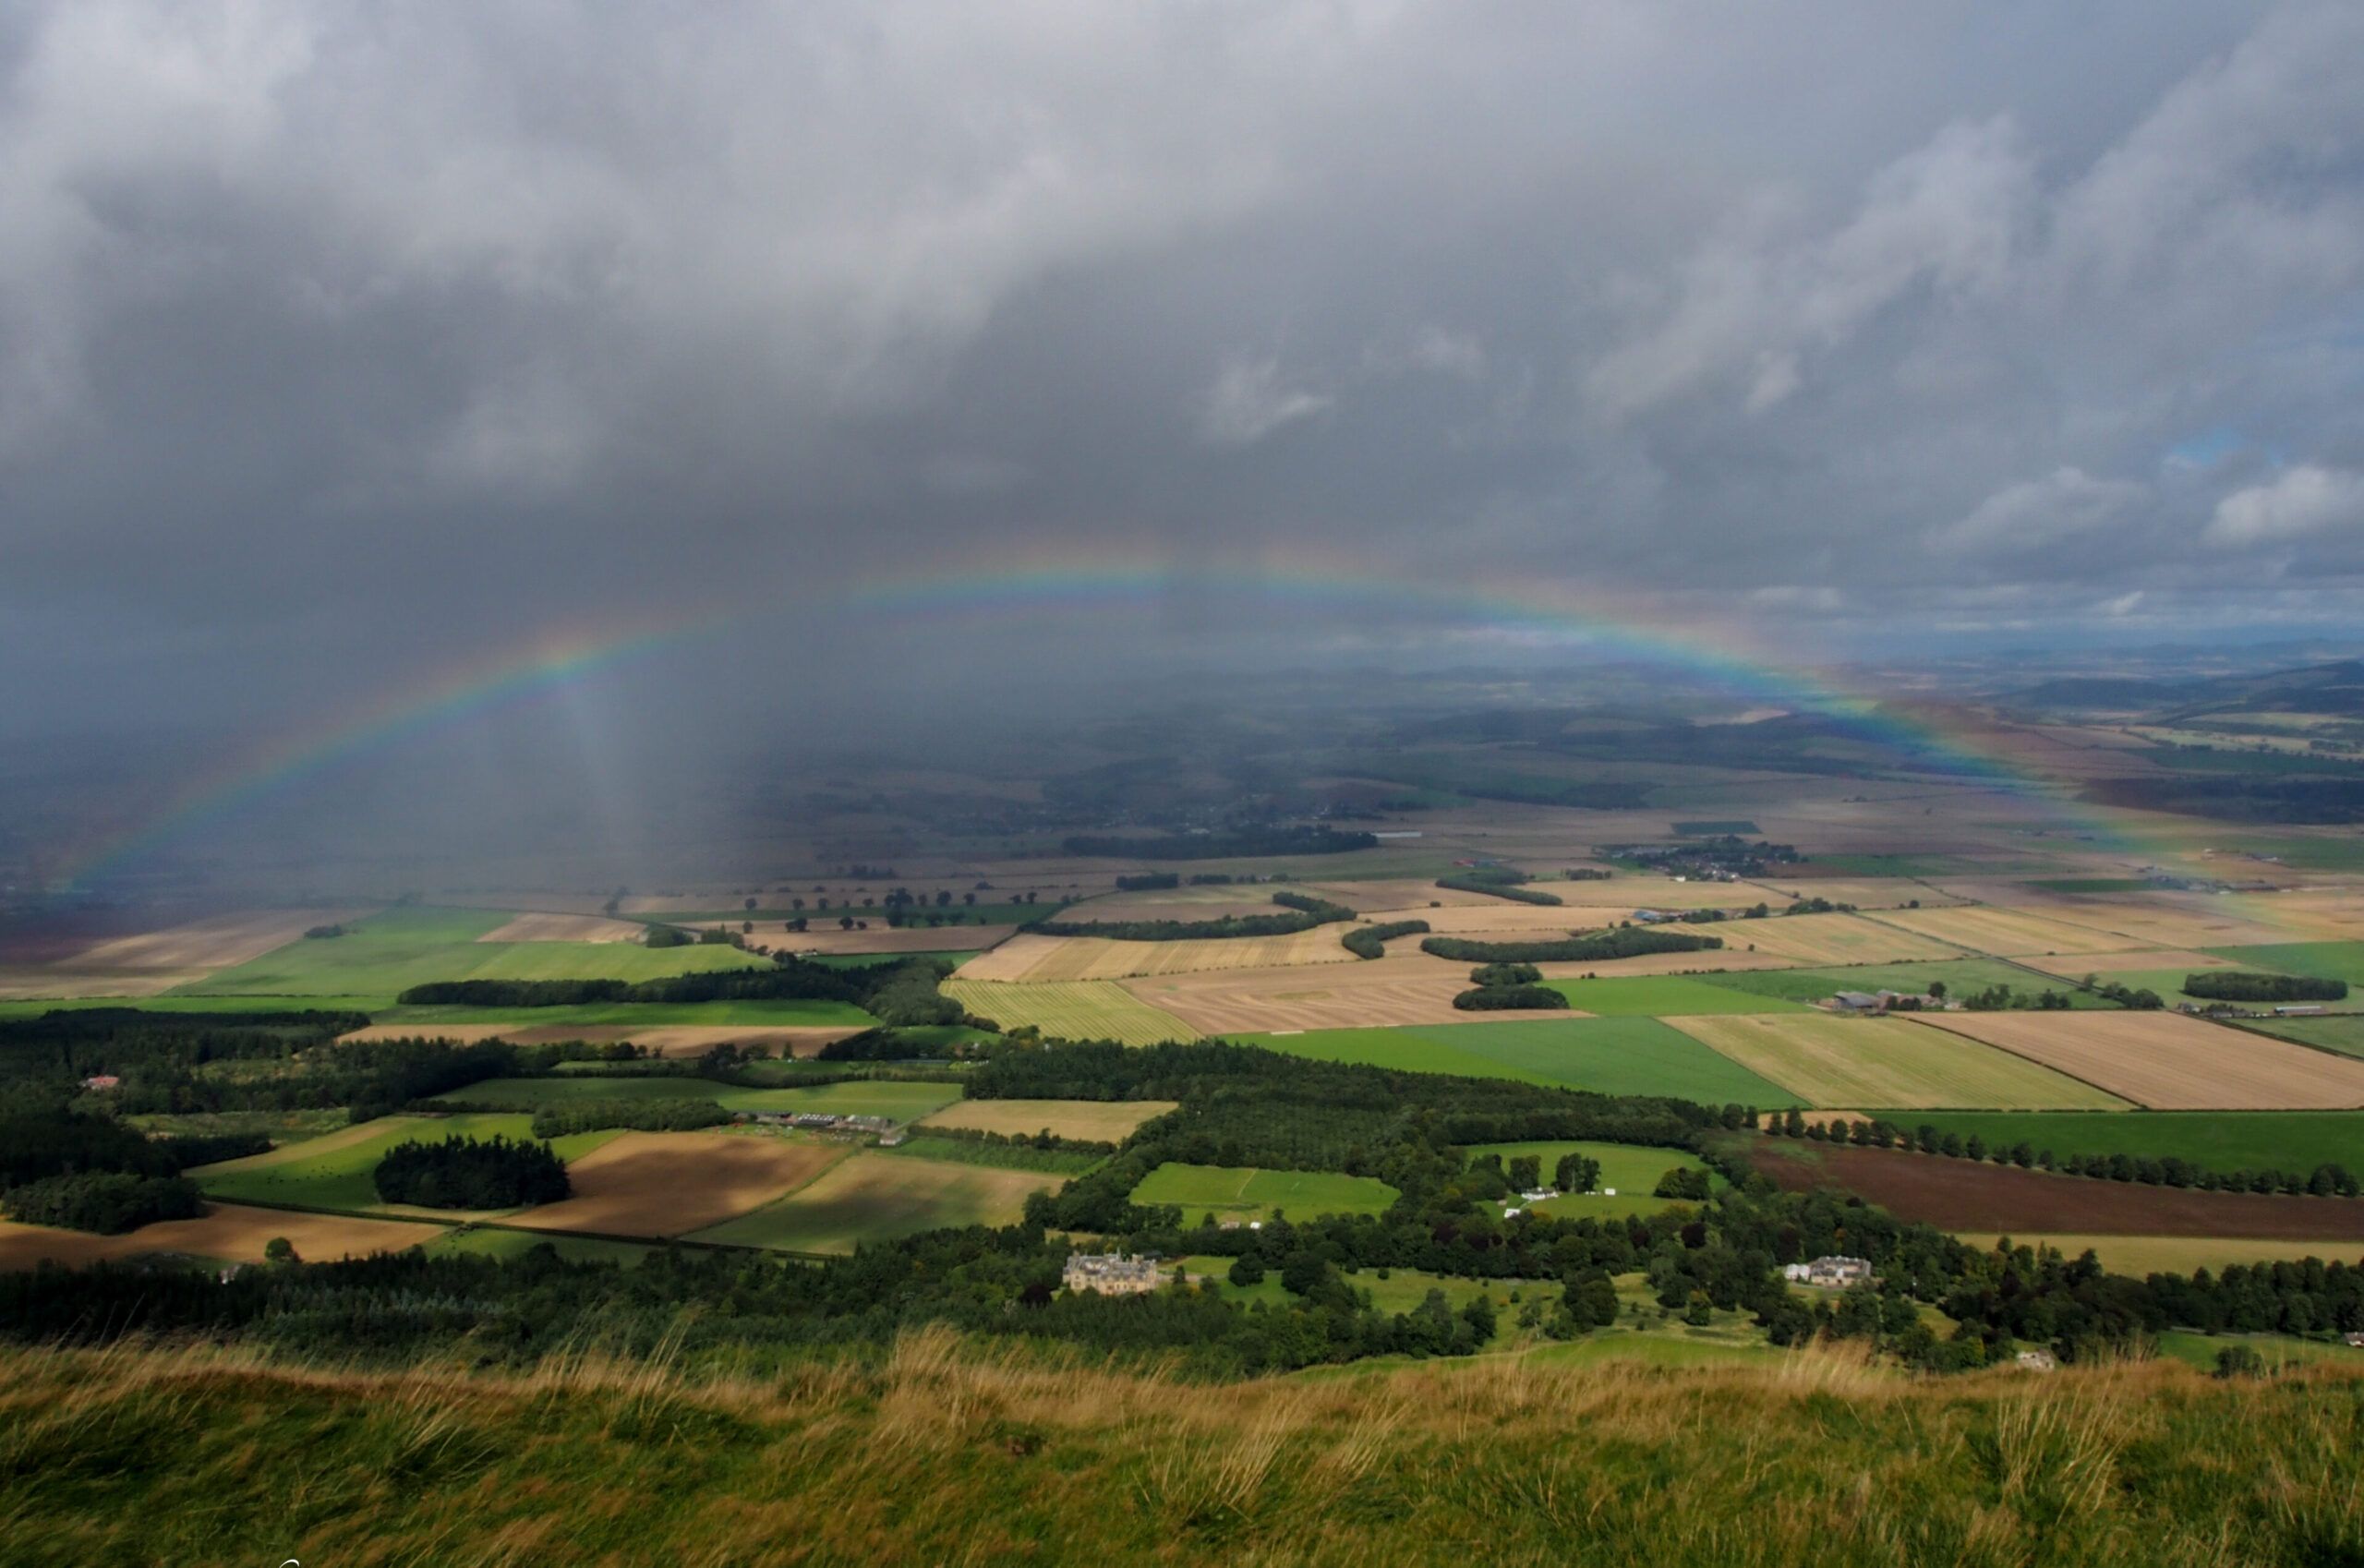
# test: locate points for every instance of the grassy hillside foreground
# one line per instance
(947, 1453)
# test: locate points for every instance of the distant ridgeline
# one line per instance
(1311, 911)
(1617, 942)
(1223, 844)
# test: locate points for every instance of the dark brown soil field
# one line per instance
(1965, 1195)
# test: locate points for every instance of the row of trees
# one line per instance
(1305, 913)
(1370, 941)
(2327, 1181)
(1497, 881)
(2248, 985)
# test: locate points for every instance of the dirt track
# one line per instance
(1968, 1195)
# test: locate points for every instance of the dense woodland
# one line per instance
(2245, 986)
(1617, 942)
(1370, 941)
(468, 1173)
(1307, 912)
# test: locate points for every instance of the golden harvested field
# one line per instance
(547, 927)
(2176, 920)
(1177, 903)
(1817, 940)
(1888, 1063)
(1081, 1010)
(1107, 1121)
(1391, 989)
(1035, 959)
(1413, 893)
(2137, 1256)
(1864, 892)
(154, 962)
(233, 1233)
(2014, 933)
(1497, 914)
(2316, 914)
(2167, 1061)
(668, 1183)
(883, 938)
(2076, 966)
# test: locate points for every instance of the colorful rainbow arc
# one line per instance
(1023, 590)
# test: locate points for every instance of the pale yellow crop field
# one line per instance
(2169, 1061)
(2014, 933)
(1498, 915)
(1084, 1010)
(1410, 988)
(1032, 959)
(1808, 941)
(1888, 1063)
(1101, 1121)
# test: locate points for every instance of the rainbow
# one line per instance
(455, 696)
(1027, 589)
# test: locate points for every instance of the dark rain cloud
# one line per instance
(336, 342)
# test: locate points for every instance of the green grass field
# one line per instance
(1962, 977)
(2325, 961)
(2344, 1034)
(1630, 1169)
(397, 948)
(1245, 1192)
(872, 1196)
(1627, 1056)
(1070, 1009)
(1402, 1290)
(334, 1171)
(2220, 1141)
(1665, 995)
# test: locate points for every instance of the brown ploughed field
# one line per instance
(1970, 1195)
(668, 1183)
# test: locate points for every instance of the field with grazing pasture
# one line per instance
(1826, 1060)
(2341, 1032)
(1095, 1121)
(2167, 1061)
(1246, 1193)
(1087, 1009)
(1627, 1056)
(334, 1171)
(397, 948)
(2325, 960)
(228, 1233)
(871, 1196)
(670, 1183)
(1628, 1174)
(1961, 977)
(1662, 997)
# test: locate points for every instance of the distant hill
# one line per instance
(2334, 689)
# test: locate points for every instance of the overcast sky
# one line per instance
(338, 342)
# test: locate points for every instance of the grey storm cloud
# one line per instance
(333, 336)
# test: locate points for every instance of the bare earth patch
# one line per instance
(232, 1232)
(1971, 1195)
(545, 927)
(2167, 1061)
(1104, 1121)
(668, 1183)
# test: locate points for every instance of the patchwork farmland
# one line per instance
(1086, 1009)
(2167, 1061)
(1885, 1063)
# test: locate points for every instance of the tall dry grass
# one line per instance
(945, 1450)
